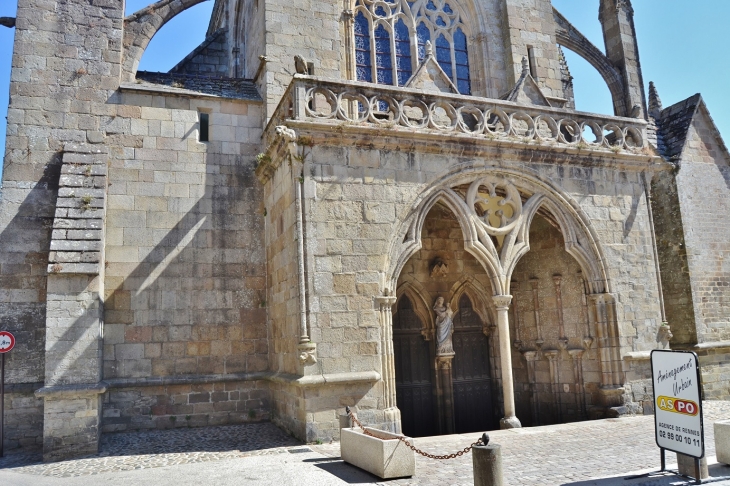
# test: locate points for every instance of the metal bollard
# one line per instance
(487, 460)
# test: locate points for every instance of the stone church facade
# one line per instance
(388, 205)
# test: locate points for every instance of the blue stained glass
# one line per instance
(402, 52)
(430, 5)
(443, 55)
(440, 22)
(383, 59)
(423, 35)
(447, 8)
(462, 62)
(362, 48)
(380, 11)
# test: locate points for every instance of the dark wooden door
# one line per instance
(473, 405)
(413, 387)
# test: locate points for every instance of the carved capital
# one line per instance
(552, 354)
(443, 362)
(576, 353)
(384, 301)
(501, 302)
(530, 355)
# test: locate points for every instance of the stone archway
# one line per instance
(494, 210)
(461, 381)
(141, 26)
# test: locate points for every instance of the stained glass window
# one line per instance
(390, 38)
(362, 48)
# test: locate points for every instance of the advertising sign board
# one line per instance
(677, 403)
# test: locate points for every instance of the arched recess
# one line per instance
(580, 239)
(477, 293)
(569, 37)
(418, 296)
(141, 26)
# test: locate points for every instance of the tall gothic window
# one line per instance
(390, 39)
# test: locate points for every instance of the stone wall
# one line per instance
(703, 186)
(66, 61)
(23, 417)
(185, 405)
(185, 264)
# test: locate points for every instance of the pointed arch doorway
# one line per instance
(453, 392)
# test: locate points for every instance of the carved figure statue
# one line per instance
(444, 327)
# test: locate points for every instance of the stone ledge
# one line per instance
(325, 379)
(185, 380)
(283, 378)
(84, 148)
(23, 387)
(74, 268)
(638, 355)
(60, 392)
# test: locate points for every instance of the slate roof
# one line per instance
(231, 88)
(674, 123)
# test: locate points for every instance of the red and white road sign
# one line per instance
(7, 342)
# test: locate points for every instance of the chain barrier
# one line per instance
(480, 441)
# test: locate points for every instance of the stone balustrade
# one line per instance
(348, 103)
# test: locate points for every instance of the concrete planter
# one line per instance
(722, 441)
(384, 456)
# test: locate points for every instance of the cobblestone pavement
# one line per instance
(554, 454)
(140, 450)
(566, 454)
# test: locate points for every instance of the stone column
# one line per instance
(392, 414)
(580, 398)
(552, 356)
(531, 357)
(445, 393)
(74, 308)
(510, 420)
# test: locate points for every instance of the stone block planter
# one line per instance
(722, 441)
(384, 456)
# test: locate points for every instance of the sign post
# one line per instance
(678, 422)
(7, 342)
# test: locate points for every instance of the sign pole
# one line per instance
(2, 401)
(663, 458)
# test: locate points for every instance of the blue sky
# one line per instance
(682, 46)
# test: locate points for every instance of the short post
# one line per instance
(487, 461)
(693, 467)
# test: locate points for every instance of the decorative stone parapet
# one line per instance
(78, 226)
(384, 455)
(310, 99)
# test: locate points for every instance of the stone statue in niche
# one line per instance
(444, 327)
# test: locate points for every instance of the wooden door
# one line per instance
(413, 386)
(473, 403)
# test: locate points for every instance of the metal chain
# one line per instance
(411, 446)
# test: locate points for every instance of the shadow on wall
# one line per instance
(24, 246)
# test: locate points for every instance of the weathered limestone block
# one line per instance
(384, 455)
(71, 423)
(722, 441)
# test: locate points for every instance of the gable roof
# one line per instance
(430, 77)
(526, 90)
(674, 123)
